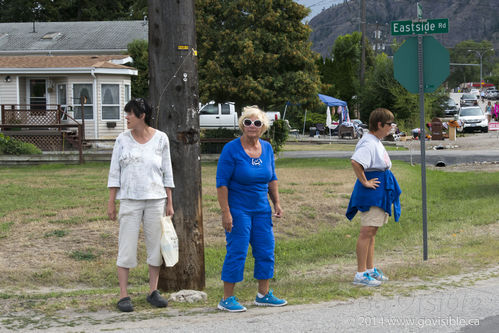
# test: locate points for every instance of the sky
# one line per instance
(316, 6)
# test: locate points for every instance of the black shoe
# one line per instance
(125, 304)
(156, 300)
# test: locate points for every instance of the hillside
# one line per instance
(468, 19)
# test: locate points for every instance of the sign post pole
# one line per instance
(422, 138)
(419, 77)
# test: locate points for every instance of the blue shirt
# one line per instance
(387, 193)
(246, 178)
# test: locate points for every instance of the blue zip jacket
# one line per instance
(384, 196)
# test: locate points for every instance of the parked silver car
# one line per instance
(472, 119)
(492, 94)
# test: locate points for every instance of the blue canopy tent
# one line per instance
(331, 101)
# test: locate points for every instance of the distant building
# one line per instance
(57, 62)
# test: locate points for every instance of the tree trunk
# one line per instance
(174, 95)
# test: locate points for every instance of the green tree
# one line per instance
(21, 10)
(382, 90)
(70, 10)
(138, 9)
(494, 77)
(255, 52)
(327, 75)
(377, 90)
(465, 53)
(138, 50)
(346, 65)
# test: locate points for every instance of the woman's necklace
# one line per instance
(255, 161)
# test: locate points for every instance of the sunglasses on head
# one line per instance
(248, 122)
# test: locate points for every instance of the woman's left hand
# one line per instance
(278, 211)
(169, 210)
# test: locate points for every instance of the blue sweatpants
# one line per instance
(249, 228)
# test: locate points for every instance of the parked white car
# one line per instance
(472, 118)
(475, 92)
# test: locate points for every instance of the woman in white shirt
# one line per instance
(374, 193)
(140, 177)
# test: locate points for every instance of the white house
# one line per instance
(57, 62)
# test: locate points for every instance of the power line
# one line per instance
(318, 3)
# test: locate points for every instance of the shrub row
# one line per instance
(277, 135)
(10, 146)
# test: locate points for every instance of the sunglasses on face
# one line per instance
(389, 123)
(248, 122)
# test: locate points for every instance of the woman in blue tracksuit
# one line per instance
(245, 176)
(374, 193)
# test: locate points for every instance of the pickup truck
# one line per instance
(223, 115)
(218, 115)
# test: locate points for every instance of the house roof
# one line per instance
(66, 64)
(94, 37)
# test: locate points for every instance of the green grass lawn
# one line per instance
(54, 234)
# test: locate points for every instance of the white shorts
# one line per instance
(374, 217)
(132, 214)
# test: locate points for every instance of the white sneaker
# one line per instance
(366, 280)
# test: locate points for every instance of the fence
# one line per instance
(48, 126)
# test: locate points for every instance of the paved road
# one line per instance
(447, 156)
(472, 309)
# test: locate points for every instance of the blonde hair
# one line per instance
(254, 111)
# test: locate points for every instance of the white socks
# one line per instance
(360, 274)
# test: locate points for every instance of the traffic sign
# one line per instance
(434, 26)
(435, 68)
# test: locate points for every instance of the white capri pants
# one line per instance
(132, 214)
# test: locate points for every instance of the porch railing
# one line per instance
(31, 114)
(43, 125)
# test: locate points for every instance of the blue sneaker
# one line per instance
(231, 304)
(269, 300)
(366, 280)
(378, 275)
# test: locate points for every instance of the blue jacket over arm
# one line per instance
(387, 193)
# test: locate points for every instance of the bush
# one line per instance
(278, 134)
(10, 146)
(220, 133)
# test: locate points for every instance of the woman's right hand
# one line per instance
(227, 221)
(372, 183)
(111, 210)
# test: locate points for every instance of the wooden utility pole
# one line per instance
(363, 42)
(173, 93)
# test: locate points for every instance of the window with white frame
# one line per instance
(61, 99)
(83, 91)
(127, 93)
(110, 100)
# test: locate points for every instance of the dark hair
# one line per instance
(381, 115)
(139, 106)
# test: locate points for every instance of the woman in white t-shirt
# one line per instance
(140, 177)
(374, 193)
